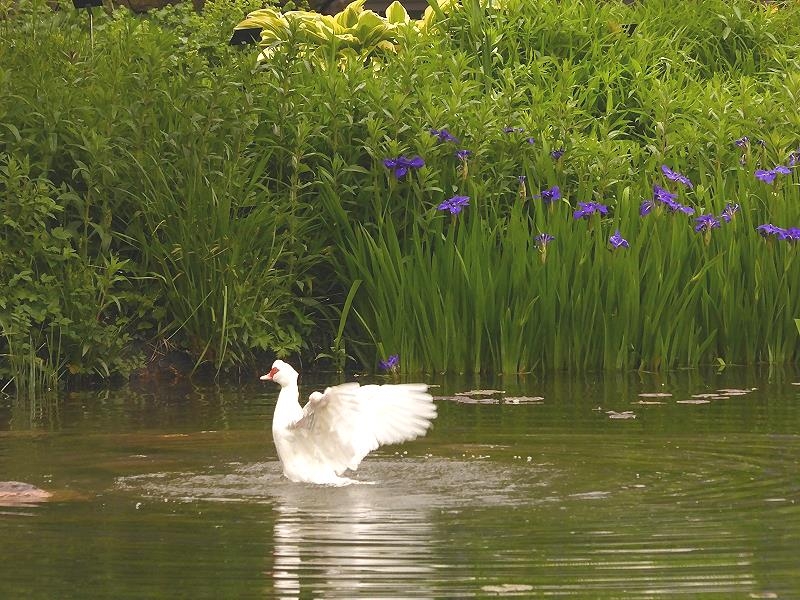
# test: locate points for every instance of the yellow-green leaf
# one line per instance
(396, 13)
(349, 16)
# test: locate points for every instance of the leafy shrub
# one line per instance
(150, 142)
(563, 97)
(58, 311)
(262, 204)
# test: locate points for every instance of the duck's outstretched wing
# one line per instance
(348, 421)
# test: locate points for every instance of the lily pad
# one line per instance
(524, 400)
(655, 395)
(598, 495)
(507, 588)
(695, 401)
(469, 400)
(625, 414)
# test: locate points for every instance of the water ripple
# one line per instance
(651, 517)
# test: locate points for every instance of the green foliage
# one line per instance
(470, 293)
(152, 142)
(352, 32)
(212, 233)
(58, 310)
(337, 353)
(207, 32)
(182, 189)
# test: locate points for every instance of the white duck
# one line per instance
(336, 429)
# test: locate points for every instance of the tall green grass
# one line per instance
(174, 200)
(470, 294)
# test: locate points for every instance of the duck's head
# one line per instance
(281, 373)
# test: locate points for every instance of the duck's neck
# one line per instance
(287, 409)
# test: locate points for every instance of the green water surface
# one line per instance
(556, 487)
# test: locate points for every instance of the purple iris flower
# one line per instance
(390, 363)
(531, 140)
(444, 135)
(587, 209)
(513, 130)
(543, 239)
(541, 242)
(463, 154)
(742, 142)
(556, 154)
(646, 207)
(729, 212)
(769, 176)
(790, 234)
(400, 165)
(617, 241)
(766, 176)
(706, 223)
(794, 158)
(454, 204)
(523, 191)
(668, 199)
(663, 195)
(675, 176)
(769, 229)
(550, 195)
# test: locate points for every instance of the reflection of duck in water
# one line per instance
(16, 493)
(353, 541)
(336, 429)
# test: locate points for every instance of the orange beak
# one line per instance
(270, 375)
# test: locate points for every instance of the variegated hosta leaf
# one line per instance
(396, 13)
(349, 16)
(348, 40)
(429, 16)
(355, 28)
(370, 20)
(390, 47)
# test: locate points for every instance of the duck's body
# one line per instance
(338, 428)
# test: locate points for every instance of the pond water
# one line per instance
(599, 486)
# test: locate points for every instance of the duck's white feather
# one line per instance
(338, 428)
